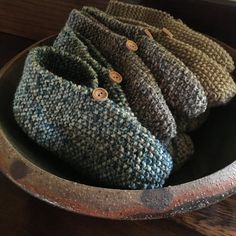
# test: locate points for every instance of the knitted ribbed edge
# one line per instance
(180, 87)
(143, 94)
(181, 149)
(102, 141)
(180, 31)
(217, 83)
(69, 42)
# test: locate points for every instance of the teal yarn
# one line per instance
(54, 107)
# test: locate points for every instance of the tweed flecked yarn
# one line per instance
(54, 106)
(219, 86)
(70, 42)
(142, 91)
(181, 149)
(179, 30)
(180, 87)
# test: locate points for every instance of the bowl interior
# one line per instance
(214, 142)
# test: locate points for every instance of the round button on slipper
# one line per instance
(131, 45)
(115, 76)
(100, 94)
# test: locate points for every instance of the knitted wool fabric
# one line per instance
(101, 140)
(181, 149)
(69, 42)
(217, 83)
(180, 31)
(143, 94)
(181, 89)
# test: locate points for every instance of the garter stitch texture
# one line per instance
(180, 31)
(70, 42)
(217, 83)
(102, 140)
(142, 91)
(180, 87)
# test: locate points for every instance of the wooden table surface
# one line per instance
(23, 215)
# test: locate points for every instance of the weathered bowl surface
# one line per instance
(210, 176)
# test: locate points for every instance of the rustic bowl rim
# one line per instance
(111, 203)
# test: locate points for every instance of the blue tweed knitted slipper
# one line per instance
(54, 105)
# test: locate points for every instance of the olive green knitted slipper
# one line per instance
(180, 31)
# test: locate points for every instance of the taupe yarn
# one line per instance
(143, 94)
(219, 86)
(180, 87)
(179, 30)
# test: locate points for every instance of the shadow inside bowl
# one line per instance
(214, 142)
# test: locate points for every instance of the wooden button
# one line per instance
(115, 76)
(148, 33)
(167, 33)
(100, 94)
(131, 45)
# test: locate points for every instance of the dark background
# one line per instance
(38, 19)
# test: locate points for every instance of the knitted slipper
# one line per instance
(54, 105)
(179, 30)
(181, 89)
(217, 83)
(68, 41)
(143, 94)
(181, 149)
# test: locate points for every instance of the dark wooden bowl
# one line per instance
(209, 177)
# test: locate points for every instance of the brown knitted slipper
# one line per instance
(179, 30)
(143, 94)
(180, 87)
